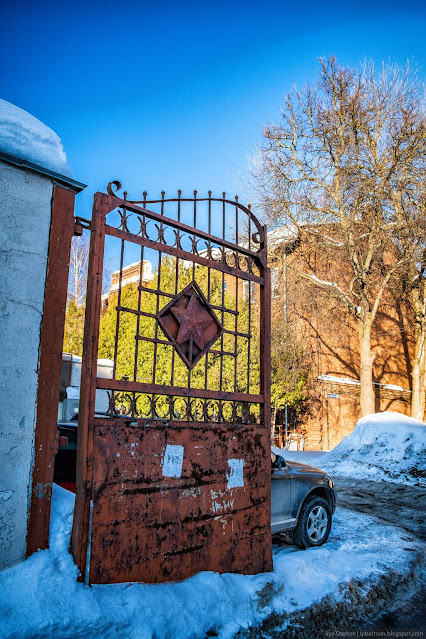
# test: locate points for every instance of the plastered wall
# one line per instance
(25, 214)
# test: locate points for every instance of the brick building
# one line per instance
(330, 336)
(130, 275)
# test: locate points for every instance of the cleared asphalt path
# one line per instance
(392, 504)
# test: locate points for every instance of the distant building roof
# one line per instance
(129, 275)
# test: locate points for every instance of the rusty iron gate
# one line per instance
(175, 477)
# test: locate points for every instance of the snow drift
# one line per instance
(385, 446)
(26, 138)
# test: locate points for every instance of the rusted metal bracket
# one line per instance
(81, 223)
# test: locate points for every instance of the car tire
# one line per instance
(314, 523)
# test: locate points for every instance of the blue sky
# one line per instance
(168, 95)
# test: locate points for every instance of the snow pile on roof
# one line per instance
(26, 138)
(385, 446)
(42, 598)
(282, 235)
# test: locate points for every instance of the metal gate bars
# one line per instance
(174, 477)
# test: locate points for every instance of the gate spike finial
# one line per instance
(236, 198)
(179, 192)
(223, 195)
(210, 193)
(195, 193)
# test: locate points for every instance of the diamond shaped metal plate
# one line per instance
(190, 323)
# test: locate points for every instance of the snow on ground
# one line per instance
(41, 597)
(386, 446)
(26, 138)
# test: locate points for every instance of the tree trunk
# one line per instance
(418, 383)
(367, 396)
(418, 366)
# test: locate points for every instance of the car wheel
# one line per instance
(314, 523)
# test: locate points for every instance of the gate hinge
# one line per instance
(80, 223)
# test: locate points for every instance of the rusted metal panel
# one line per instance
(51, 338)
(171, 527)
(181, 481)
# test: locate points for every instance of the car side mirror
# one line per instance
(278, 462)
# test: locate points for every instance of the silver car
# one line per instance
(303, 501)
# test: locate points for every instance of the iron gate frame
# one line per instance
(103, 204)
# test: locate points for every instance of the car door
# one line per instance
(280, 500)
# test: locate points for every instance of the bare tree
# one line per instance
(339, 167)
(418, 297)
(408, 199)
(413, 285)
(79, 259)
(77, 286)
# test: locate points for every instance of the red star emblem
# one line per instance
(193, 320)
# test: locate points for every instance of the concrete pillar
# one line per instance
(37, 224)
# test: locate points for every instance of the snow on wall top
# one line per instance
(26, 138)
(348, 380)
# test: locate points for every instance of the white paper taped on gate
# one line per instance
(235, 475)
(173, 459)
